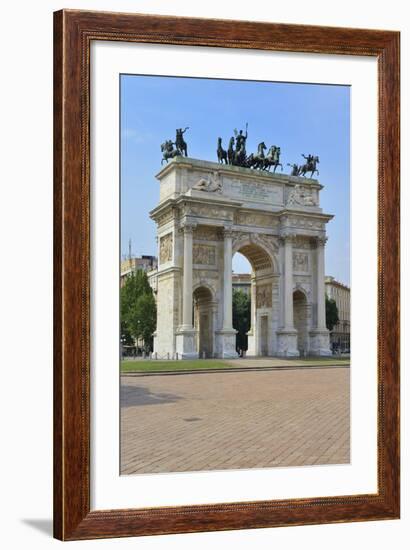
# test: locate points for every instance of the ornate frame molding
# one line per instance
(73, 34)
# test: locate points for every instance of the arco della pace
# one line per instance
(207, 212)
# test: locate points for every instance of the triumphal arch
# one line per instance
(207, 212)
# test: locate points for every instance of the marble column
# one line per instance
(227, 322)
(320, 283)
(227, 335)
(253, 328)
(288, 283)
(187, 279)
(287, 335)
(319, 342)
(186, 334)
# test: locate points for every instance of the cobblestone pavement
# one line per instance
(232, 420)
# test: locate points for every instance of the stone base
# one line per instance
(319, 342)
(287, 343)
(226, 344)
(185, 344)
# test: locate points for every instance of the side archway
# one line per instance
(203, 316)
(301, 320)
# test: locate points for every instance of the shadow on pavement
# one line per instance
(134, 396)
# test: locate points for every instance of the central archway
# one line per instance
(263, 294)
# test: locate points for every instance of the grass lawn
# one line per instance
(204, 364)
(153, 365)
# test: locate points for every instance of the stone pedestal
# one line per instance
(287, 343)
(319, 342)
(186, 344)
(226, 344)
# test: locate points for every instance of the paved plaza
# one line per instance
(232, 420)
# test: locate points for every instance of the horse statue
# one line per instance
(168, 151)
(180, 143)
(257, 161)
(231, 151)
(309, 166)
(272, 159)
(222, 154)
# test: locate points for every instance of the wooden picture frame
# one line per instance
(74, 32)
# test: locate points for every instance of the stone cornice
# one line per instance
(168, 271)
(286, 213)
(237, 171)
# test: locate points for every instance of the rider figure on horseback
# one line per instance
(308, 158)
(180, 143)
(310, 166)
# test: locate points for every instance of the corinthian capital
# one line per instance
(287, 236)
(321, 241)
(188, 228)
(228, 232)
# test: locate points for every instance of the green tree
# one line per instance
(241, 317)
(332, 313)
(143, 318)
(138, 308)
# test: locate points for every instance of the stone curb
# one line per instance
(233, 369)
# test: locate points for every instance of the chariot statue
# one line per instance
(239, 158)
(258, 160)
(273, 159)
(221, 153)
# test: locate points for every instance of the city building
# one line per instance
(132, 264)
(242, 281)
(340, 293)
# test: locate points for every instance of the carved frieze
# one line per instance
(302, 242)
(208, 211)
(205, 274)
(307, 223)
(301, 196)
(255, 219)
(212, 184)
(300, 262)
(205, 233)
(204, 254)
(165, 248)
(264, 295)
(166, 217)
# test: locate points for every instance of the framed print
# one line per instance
(226, 275)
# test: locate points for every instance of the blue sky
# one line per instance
(300, 118)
